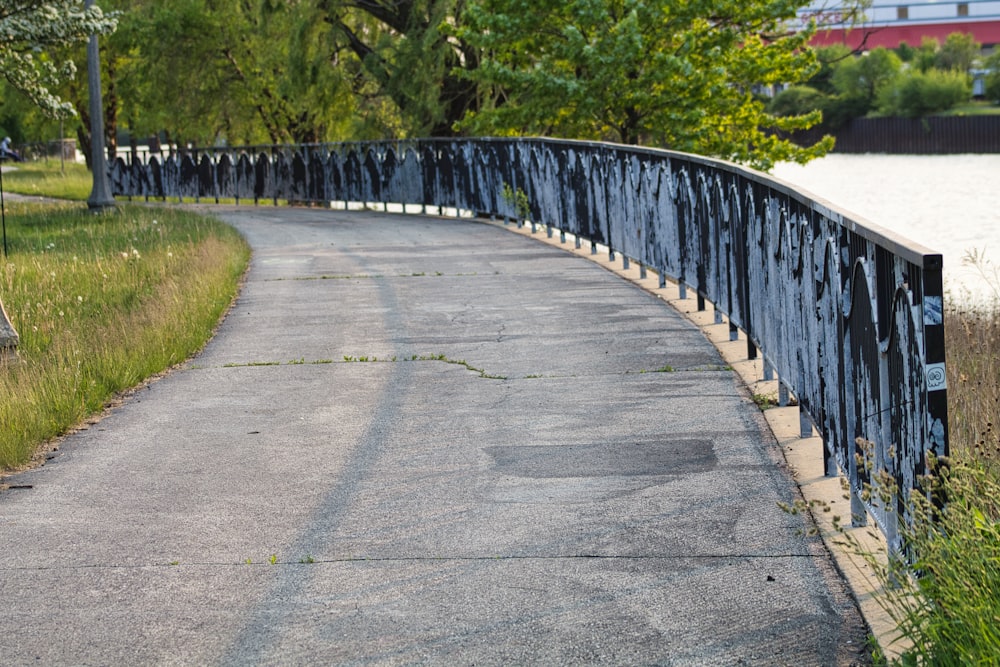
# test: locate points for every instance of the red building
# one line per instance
(888, 25)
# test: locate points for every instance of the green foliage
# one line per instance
(863, 78)
(100, 304)
(30, 31)
(839, 110)
(678, 75)
(906, 81)
(233, 71)
(959, 51)
(917, 93)
(905, 52)
(517, 200)
(925, 57)
(829, 58)
(254, 71)
(410, 53)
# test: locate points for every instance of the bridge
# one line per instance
(849, 316)
(419, 438)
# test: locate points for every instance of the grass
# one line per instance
(101, 303)
(425, 357)
(946, 605)
(950, 610)
(973, 108)
(973, 348)
(45, 178)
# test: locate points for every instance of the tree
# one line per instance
(829, 59)
(238, 71)
(796, 101)
(30, 30)
(925, 56)
(410, 53)
(863, 78)
(678, 75)
(221, 71)
(266, 70)
(959, 51)
(992, 66)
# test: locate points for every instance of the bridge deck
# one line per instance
(456, 445)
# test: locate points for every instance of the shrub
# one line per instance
(796, 101)
(918, 93)
(829, 59)
(838, 110)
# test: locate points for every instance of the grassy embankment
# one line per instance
(102, 302)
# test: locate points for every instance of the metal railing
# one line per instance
(849, 316)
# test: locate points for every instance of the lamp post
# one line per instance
(100, 195)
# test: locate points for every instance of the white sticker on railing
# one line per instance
(936, 380)
(933, 310)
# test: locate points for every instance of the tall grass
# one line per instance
(102, 302)
(972, 346)
(946, 604)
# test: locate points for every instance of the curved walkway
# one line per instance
(423, 441)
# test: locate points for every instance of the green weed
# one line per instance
(518, 200)
(765, 401)
(425, 357)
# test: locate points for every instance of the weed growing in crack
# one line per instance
(426, 357)
(765, 401)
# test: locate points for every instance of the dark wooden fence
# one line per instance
(849, 316)
(933, 135)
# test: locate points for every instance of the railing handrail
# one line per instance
(902, 245)
(849, 315)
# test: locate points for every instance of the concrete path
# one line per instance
(423, 441)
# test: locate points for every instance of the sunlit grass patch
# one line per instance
(48, 179)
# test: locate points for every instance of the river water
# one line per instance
(948, 203)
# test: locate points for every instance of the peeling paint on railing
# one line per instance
(847, 314)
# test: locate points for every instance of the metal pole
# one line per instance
(3, 214)
(62, 148)
(100, 195)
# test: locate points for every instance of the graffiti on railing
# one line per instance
(850, 317)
